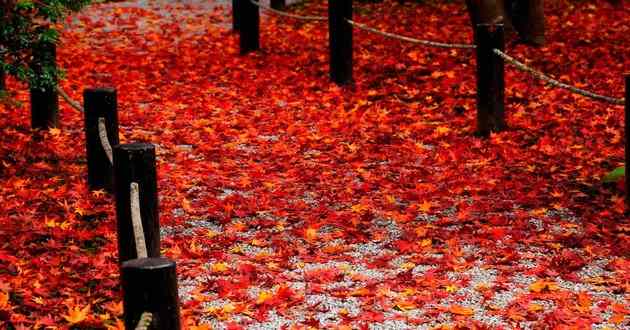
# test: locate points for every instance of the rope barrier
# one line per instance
(68, 99)
(102, 134)
(408, 39)
(145, 321)
(138, 231)
(554, 82)
(285, 14)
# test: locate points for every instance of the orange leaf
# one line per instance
(459, 310)
(542, 285)
(77, 314)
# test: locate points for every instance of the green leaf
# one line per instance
(615, 174)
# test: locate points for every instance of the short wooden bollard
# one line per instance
(490, 79)
(340, 41)
(236, 14)
(627, 131)
(150, 285)
(135, 162)
(249, 27)
(100, 103)
(278, 4)
(44, 99)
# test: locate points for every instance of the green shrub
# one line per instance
(25, 24)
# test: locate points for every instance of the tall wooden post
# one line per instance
(100, 103)
(490, 79)
(3, 81)
(278, 4)
(249, 27)
(135, 162)
(236, 14)
(627, 129)
(44, 98)
(340, 41)
(150, 285)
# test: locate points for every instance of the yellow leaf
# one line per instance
(219, 267)
(54, 131)
(77, 314)
(542, 285)
(263, 297)
(534, 308)
(311, 234)
(359, 208)
(258, 242)
(441, 130)
(407, 265)
(426, 242)
(459, 310)
(451, 288)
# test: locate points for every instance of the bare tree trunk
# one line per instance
(529, 20)
(523, 16)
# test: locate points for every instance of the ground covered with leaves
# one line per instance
(289, 202)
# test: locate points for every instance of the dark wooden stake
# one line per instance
(135, 162)
(236, 14)
(44, 100)
(150, 285)
(278, 4)
(340, 41)
(249, 27)
(100, 103)
(627, 129)
(3, 84)
(490, 79)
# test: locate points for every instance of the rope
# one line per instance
(408, 39)
(136, 220)
(554, 82)
(102, 134)
(145, 321)
(68, 99)
(285, 14)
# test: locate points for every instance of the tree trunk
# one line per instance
(523, 16)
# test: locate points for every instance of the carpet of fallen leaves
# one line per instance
(289, 202)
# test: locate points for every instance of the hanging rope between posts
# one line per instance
(136, 220)
(145, 321)
(556, 83)
(102, 134)
(68, 99)
(408, 39)
(285, 14)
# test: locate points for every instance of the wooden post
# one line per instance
(236, 14)
(249, 27)
(44, 99)
(278, 4)
(150, 285)
(135, 162)
(340, 41)
(100, 103)
(627, 129)
(3, 82)
(490, 79)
